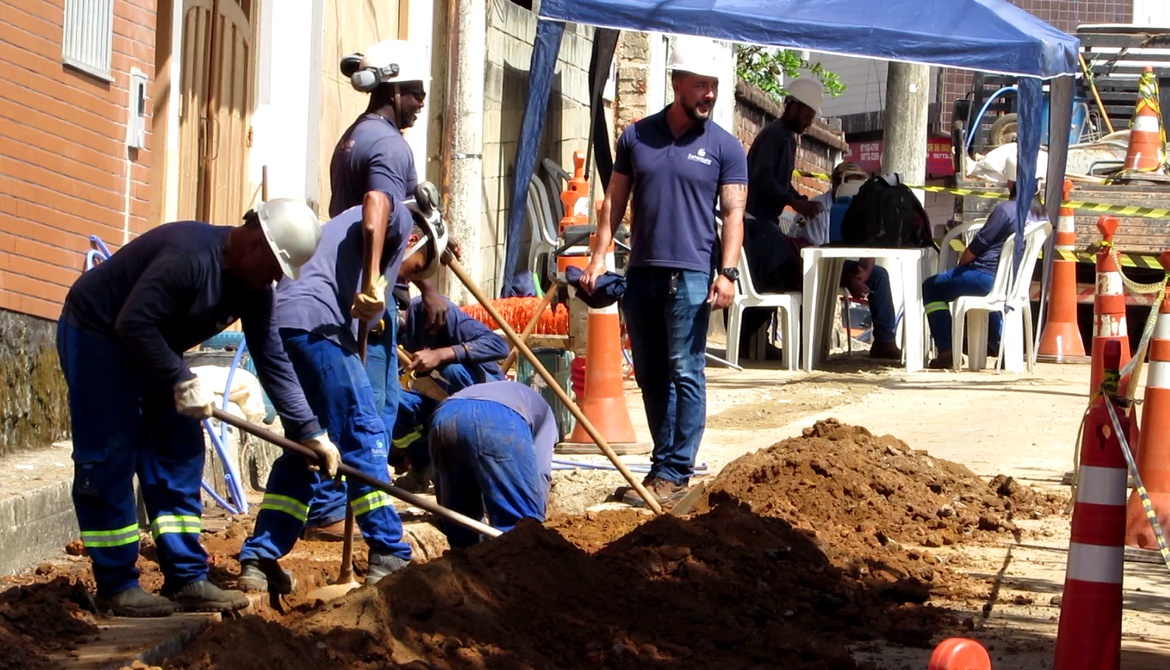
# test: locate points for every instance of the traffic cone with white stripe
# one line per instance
(959, 653)
(1108, 305)
(1147, 146)
(1089, 637)
(1062, 335)
(603, 398)
(1153, 448)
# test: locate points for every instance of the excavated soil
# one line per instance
(799, 552)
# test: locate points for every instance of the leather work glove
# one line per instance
(192, 400)
(369, 306)
(327, 452)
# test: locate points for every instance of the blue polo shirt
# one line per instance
(319, 302)
(372, 155)
(987, 245)
(675, 190)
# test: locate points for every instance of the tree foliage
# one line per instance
(764, 67)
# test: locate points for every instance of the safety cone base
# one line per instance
(590, 447)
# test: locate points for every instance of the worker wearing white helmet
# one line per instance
(772, 157)
(135, 405)
(677, 165)
(317, 319)
(372, 167)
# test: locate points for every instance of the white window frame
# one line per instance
(87, 38)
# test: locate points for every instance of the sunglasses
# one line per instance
(419, 93)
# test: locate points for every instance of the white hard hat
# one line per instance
(697, 55)
(809, 91)
(424, 208)
(392, 61)
(292, 231)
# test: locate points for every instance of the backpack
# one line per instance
(886, 216)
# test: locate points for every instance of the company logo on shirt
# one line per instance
(699, 157)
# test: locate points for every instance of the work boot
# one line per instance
(261, 574)
(885, 351)
(203, 596)
(664, 491)
(383, 565)
(334, 532)
(945, 361)
(135, 602)
(417, 481)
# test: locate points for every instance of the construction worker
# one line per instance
(492, 446)
(863, 277)
(135, 406)
(773, 260)
(677, 164)
(974, 275)
(317, 318)
(373, 166)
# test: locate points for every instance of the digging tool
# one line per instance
(451, 262)
(1096, 96)
(531, 326)
(428, 385)
(357, 475)
(688, 502)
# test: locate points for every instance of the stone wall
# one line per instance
(34, 409)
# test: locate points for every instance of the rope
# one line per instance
(1139, 487)
(1131, 285)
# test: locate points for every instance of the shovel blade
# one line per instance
(331, 592)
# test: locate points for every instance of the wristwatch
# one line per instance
(730, 273)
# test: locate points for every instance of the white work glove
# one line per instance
(369, 306)
(192, 400)
(327, 452)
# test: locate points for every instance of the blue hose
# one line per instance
(979, 118)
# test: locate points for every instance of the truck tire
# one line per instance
(1004, 130)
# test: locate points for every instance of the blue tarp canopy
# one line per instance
(988, 35)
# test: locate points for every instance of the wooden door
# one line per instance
(215, 109)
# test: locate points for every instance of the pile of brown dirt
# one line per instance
(857, 490)
(42, 618)
(726, 589)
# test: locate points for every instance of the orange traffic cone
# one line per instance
(1089, 637)
(959, 653)
(1147, 144)
(1062, 335)
(603, 400)
(575, 197)
(1108, 305)
(1153, 448)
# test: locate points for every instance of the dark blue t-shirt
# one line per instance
(475, 346)
(372, 155)
(319, 302)
(675, 187)
(166, 291)
(987, 245)
(770, 162)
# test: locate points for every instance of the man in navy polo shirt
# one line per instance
(678, 165)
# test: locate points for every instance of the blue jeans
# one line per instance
(339, 392)
(938, 292)
(125, 424)
(327, 505)
(881, 303)
(666, 314)
(485, 461)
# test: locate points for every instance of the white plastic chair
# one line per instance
(948, 258)
(746, 296)
(1010, 296)
(543, 228)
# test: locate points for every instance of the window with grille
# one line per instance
(88, 36)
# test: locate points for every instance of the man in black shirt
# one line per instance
(136, 406)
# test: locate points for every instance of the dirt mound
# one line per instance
(854, 488)
(39, 619)
(726, 589)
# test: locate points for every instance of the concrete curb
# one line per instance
(36, 509)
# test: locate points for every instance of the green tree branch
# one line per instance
(764, 67)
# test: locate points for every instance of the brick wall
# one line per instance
(65, 172)
(818, 148)
(1065, 15)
